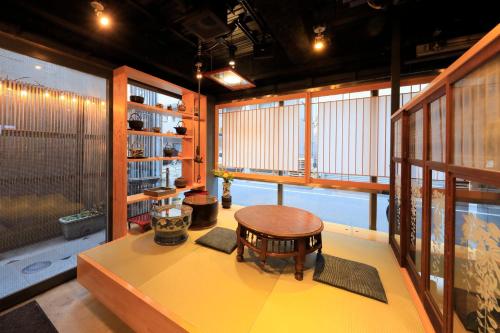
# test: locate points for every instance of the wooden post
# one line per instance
(373, 206)
(120, 81)
(395, 61)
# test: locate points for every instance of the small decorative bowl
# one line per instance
(170, 223)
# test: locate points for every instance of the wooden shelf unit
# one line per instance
(134, 198)
(155, 109)
(151, 159)
(121, 106)
(168, 135)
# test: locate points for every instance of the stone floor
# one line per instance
(25, 266)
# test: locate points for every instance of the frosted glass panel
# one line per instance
(416, 135)
(437, 140)
(397, 202)
(416, 194)
(398, 138)
(476, 289)
(476, 100)
(436, 286)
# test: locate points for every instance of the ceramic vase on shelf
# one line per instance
(226, 194)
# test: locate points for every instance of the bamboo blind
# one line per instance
(53, 159)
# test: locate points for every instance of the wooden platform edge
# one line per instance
(134, 308)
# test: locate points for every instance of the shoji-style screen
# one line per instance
(263, 138)
(351, 135)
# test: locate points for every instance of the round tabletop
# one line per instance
(200, 199)
(279, 221)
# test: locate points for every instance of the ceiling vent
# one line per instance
(207, 23)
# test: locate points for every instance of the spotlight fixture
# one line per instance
(232, 58)
(103, 19)
(198, 64)
(319, 40)
(199, 75)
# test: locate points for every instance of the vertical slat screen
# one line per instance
(53, 159)
(262, 139)
(352, 137)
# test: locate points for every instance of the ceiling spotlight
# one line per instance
(102, 18)
(232, 53)
(319, 40)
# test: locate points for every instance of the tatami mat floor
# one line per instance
(72, 309)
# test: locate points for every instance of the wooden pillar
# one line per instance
(119, 153)
(373, 206)
(395, 60)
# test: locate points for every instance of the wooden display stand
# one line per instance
(121, 105)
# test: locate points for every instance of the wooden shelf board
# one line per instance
(168, 135)
(150, 108)
(150, 159)
(139, 197)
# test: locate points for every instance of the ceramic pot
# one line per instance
(169, 151)
(226, 195)
(180, 182)
(181, 107)
(226, 202)
(135, 122)
(170, 223)
(136, 99)
(180, 128)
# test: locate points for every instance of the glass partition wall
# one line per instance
(445, 196)
(53, 169)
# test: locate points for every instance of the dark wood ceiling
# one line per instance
(152, 35)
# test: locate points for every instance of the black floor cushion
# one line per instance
(28, 318)
(221, 239)
(349, 275)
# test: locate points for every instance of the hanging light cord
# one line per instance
(198, 159)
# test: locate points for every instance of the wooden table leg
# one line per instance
(300, 258)
(318, 239)
(239, 234)
(263, 252)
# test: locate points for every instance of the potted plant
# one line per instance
(84, 223)
(227, 178)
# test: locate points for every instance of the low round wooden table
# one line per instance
(278, 231)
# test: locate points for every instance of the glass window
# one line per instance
(437, 138)
(416, 135)
(436, 268)
(476, 118)
(248, 193)
(416, 194)
(337, 206)
(53, 168)
(476, 287)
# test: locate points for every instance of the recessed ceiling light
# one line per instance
(38, 67)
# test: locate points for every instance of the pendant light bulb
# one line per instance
(319, 39)
(232, 56)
